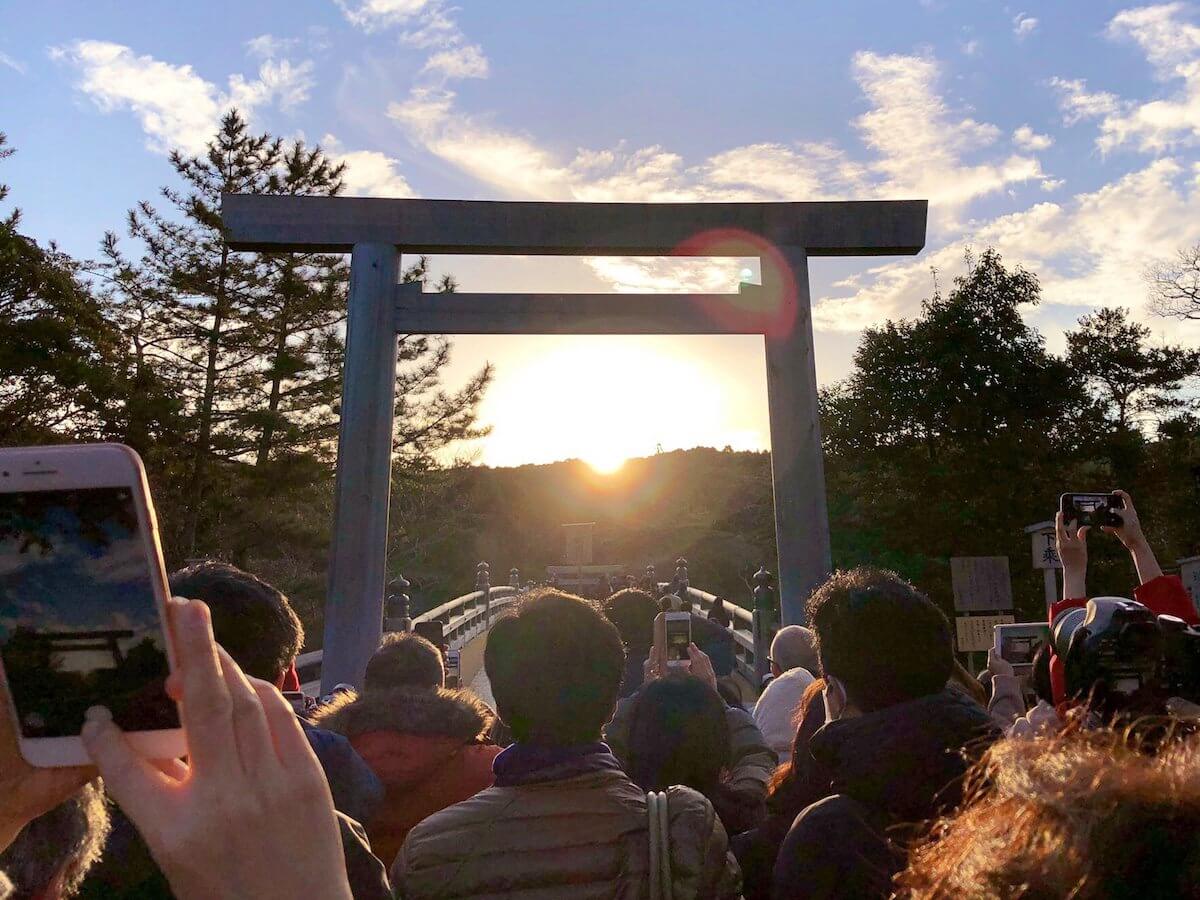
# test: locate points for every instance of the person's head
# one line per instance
(53, 853)
(404, 661)
(678, 734)
(794, 647)
(632, 612)
(252, 620)
(555, 666)
(880, 641)
(1043, 687)
(1081, 816)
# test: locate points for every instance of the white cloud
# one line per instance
(1171, 46)
(268, 46)
(971, 47)
(922, 144)
(177, 108)
(1089, 252)
(1024, 25)
(1078, 103)
(371, 15)
(919, 142)
(1028, 139)
(369, 173)
(465, 61)
(15, 64)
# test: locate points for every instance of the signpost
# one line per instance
(981, 584)
(1045, 557)
(577, 550)
(975, 633)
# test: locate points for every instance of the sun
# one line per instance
(605, 460)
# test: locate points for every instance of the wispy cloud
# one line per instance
(372, 15)
(1024, 25)
(1171, 45)
(369, 173)
(15, 64)
(1028, 139)
(176, 106)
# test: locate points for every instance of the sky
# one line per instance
(1065, 134)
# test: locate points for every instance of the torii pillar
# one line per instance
(782, 235)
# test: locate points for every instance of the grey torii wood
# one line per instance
(375, 232)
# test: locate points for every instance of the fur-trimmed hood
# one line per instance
(414, 711)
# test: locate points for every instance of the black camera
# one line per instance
(1124, 656)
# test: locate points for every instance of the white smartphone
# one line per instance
(677, 634)
(82, 601)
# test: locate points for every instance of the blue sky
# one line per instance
(1063, 133)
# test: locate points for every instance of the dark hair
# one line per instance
(677, 735)
(404, 660)
(1043, 688)
(1083, 815)
(58, 847)
(881, 637)
(632, 612)
(252, 620)
(555, 666)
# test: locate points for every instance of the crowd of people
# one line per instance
(871, 765)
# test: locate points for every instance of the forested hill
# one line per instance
(712, 507)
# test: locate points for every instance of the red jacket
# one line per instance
(427, 748)
(1164, 596)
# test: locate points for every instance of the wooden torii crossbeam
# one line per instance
(782, 235)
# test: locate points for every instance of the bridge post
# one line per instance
(797, 463)
(681, 575)
(514, 578)
(358, 555)
(765, 622)
(396, 615)
(482, 583)
(650, 582)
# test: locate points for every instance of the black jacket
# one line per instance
(896, 766)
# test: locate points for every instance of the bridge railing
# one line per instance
(463, 619)
(741, 630)
(466, 617)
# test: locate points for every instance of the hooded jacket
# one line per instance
(426, 746)
(899, 765)
(563, 822)
(775, 711)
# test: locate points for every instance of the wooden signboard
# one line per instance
(976, 633)
(981, 583)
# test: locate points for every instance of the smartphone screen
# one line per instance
(79, 623)
(1020, 650)
(679, 635)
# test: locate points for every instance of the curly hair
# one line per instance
(1086, 815)
(58, 847)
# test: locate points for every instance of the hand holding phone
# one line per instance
(672, 636)
(82, 600)
(250, 813)
(1093, 510)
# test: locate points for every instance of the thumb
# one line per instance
(131, 780)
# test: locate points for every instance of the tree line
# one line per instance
(222, 369)
(954, 430)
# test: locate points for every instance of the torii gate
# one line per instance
(375, 231)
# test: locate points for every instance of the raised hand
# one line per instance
(1129, 533)
(250, 814)
(1071, 542)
